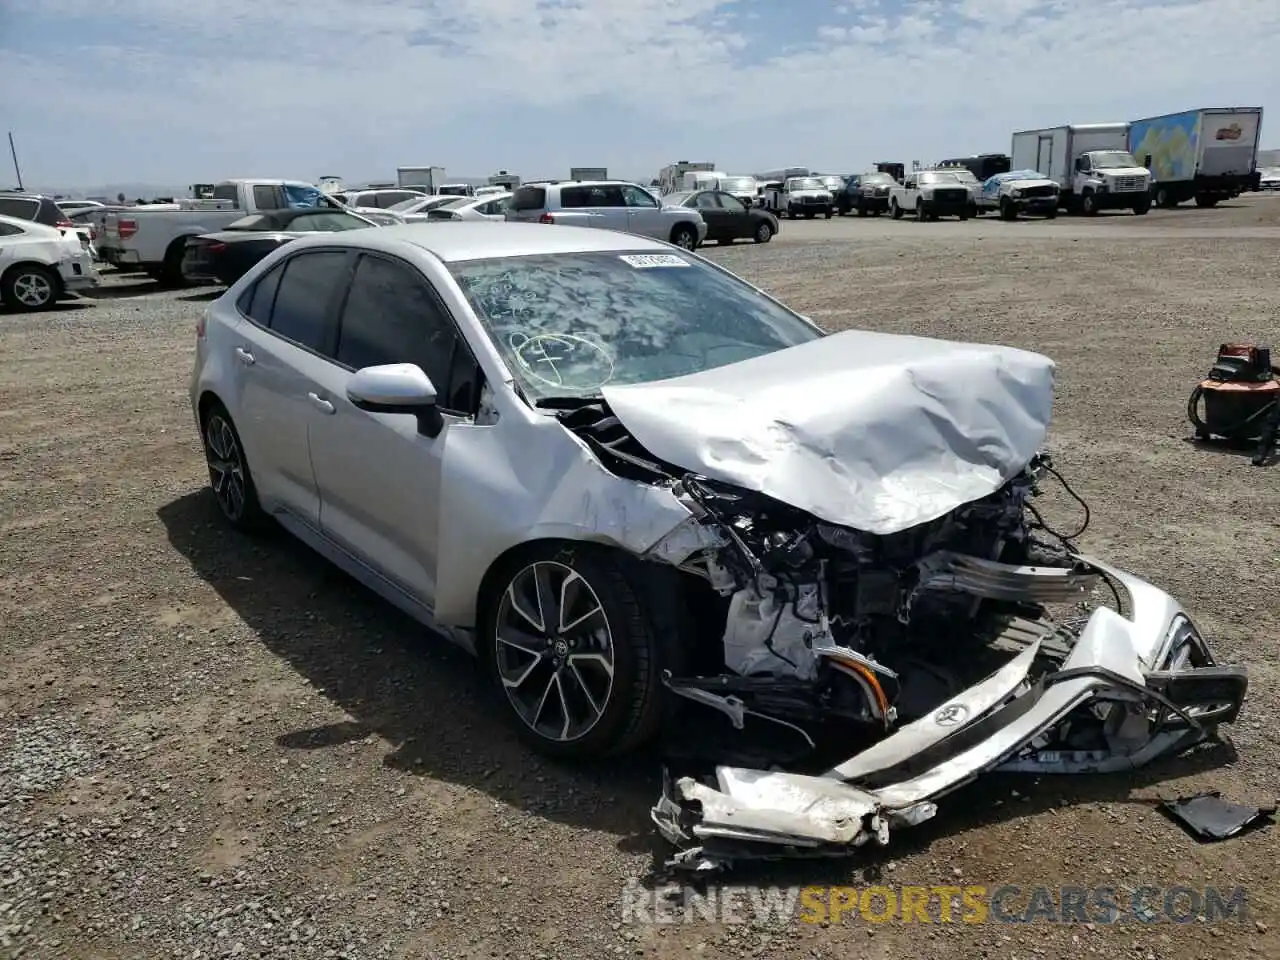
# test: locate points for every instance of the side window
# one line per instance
(9, 230)
(706, 201)
(302, 301)
(391, 316)
(635, 197)
(264, 197)
(574, 197)
(255, 303)
(731, 203)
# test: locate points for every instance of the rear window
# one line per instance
(24, 208)
(227, 191)
(529, 198)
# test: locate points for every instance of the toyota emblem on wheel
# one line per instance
(951, 715)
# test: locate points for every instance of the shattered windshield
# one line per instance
(569, 324)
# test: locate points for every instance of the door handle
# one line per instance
(245, 357)
(320, 403)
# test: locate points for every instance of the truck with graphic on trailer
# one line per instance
(1208, 155)
(1090, 163)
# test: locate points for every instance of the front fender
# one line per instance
(527, 478)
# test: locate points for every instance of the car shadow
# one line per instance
(393, 679)
(134, 287)
(204, 296)
(429, 701)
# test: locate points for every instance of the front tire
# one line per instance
(763, 234)
(895, 211)
(1089, 204)
(685, 237)
(30, 287)
(573, 653)
(229, 475)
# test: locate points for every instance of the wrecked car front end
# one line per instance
(870, 555)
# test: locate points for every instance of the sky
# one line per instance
(174, 92)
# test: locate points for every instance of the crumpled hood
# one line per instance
(874, 431)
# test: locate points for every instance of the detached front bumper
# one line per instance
(1149, 678)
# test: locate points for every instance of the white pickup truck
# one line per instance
(153, 238)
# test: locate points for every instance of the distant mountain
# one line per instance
(1269, 158)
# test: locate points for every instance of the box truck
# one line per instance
(426, 179)
(1091, 164)
(1209, 154)
(588, 173)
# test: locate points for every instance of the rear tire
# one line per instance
(229, 476)
(30, 287)
(170, 274)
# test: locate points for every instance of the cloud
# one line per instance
(172, 88)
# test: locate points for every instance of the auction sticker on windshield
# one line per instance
(644, 260)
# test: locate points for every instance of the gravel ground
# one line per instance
(211, 747)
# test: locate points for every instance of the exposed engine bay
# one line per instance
(935, 643)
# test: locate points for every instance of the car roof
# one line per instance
(457, 240)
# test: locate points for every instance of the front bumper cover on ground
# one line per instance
(1150, 673)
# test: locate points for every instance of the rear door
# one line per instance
(379, 478)
(288, 321)
(603, 202)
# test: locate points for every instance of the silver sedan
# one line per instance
(635, 484)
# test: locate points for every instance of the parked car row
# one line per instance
(41, 264)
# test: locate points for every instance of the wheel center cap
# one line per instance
(561, 648)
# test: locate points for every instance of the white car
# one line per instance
(492, 207)
(1270, 179)
(651, 497)
(40, 265)
(422, 205)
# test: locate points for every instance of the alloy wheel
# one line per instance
(226, 466)
(32, 289)
(554, 651)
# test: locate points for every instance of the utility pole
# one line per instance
(14, 152)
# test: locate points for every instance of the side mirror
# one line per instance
(397, 388)
(1079, 164)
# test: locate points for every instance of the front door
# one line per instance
(644, 214)
(718, 226)
(379, 477)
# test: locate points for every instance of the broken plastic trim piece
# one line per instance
(1206, 816)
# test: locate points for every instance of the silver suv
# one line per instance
(610, 205)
